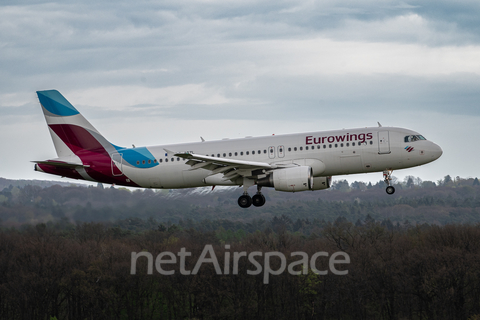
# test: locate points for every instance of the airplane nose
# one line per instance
(436, 151)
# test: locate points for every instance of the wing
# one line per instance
(230, 168)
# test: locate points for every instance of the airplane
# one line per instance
(289, 162)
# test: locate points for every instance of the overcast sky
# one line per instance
(158, 72)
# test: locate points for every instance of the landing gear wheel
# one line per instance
(258, 200)
(390, 190)
(387, 176)
(245, 201)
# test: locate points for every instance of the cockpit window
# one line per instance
(413, 138)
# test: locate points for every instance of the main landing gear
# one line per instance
(246, 201)
(387, 176)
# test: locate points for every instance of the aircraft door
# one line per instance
(383, 142)
(271, 152)
(281, 151)
(117, 160)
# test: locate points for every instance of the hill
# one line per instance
(447, 201)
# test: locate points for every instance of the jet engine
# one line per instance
(294, 180)
(290, 179)
(320, 183)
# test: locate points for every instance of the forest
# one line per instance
(450, 200)
(65, 252)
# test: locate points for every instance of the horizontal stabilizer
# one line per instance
(61, 164)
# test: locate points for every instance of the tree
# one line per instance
(369, 220)
(358, 185)
(341, 185)
(428, 184)
(417, 181)
(447, 180)
(409, 181)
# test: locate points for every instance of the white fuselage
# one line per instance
(329, 153)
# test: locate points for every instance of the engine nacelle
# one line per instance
(290, 179)
(320, 183)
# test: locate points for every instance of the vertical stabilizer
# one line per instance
(71, 133)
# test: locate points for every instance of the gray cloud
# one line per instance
(240, 61)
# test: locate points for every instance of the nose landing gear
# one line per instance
(390, 190)
(387, 176)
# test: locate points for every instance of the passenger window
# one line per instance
(259, 152)
(271, 150)
(329, 145)
(324, 146)
(247, 153)
(149, 161)
(241, 153)
(173, 159)
(306, 148)
(348, 144)
(236, 154)
(371, 142)
(229, 154)
(336, 145)
(264, 151)
(218, 155)
(341, 145)
(155, 161)
(253, 152)
(318, 147)
(143, 161)
(281, 150)
(160, 160)
(353, 144)
(166, 160)
(178, 159)
(224, 155)
(138, 162)
(295, 149)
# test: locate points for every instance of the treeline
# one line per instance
(6, 183)
(83, 271)
(447, 201)
(408, 182)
